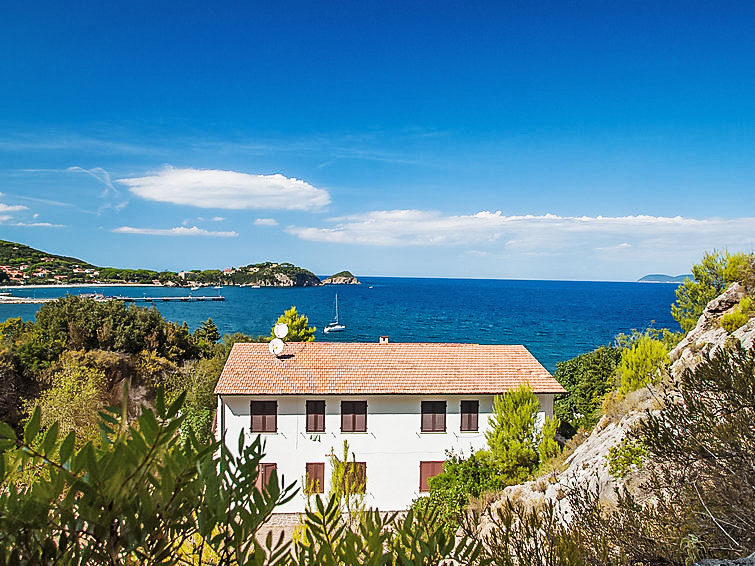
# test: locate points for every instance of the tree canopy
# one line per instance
(298, 329)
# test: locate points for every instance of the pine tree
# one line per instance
(298, 331)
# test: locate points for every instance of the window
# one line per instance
(315, 478)
(315, 416)
(433, 416)
(264, 416)
(356, 476)
(469, 412)
(264, 473)
(428, 470)
(353, 416)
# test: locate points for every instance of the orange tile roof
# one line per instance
(347, 368)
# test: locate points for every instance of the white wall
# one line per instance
(392, 447)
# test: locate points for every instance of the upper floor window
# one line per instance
(264, 416)
(315, 416)
(469, 415)
(433, 416)
(353, 416)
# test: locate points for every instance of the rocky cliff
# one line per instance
(587, 465)
(341, 278)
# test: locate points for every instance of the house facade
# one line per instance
(399, 406)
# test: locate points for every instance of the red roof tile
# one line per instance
(332, 368)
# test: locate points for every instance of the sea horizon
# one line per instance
(556, 320)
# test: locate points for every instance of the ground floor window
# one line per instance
(315, 478)
(264, 474)
(428, 470)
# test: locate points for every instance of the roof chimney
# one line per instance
(383, 340)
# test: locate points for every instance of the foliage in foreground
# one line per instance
(135, 498)
(145, 495)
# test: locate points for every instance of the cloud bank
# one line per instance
(213, 188)
(531, 233)
(177, 231)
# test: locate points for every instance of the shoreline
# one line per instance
(79, 285)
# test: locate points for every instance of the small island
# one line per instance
(341, 278)
(23, 265)
(660, 278)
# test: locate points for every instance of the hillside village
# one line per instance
(24, 265)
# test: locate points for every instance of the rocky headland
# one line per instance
(587, 466)
(341, 278)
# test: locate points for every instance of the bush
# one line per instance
(701, 447)
(643, 363)
(512, 437)
(461, 479)
(739, 316)
(587, 378)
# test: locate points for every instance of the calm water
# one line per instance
(555, 320)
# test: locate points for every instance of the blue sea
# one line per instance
(555, 320)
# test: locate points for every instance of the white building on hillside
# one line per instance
(400, 406)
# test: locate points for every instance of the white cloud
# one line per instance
(265, 222)
(178, 231)
(548, 233)
(12, 207)
(38, 225)
(217, 218)
(617, 247)
(212, 188)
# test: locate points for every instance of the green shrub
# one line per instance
(624, 457)
(587, 378)
(511, 435)
(643, 363)
(739, 316)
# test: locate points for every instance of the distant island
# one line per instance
(660, 278)
(23, 265)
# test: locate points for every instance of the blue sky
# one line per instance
(560, 140)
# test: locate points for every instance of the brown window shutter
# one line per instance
(469, 415)
(315, 477)
(264, 416)
(428, 470)
(360, 416)
(347, 416)
(433, 416)
(440, 416)
(264, 473)
(354, 416)
(356, 472)
(315, 416)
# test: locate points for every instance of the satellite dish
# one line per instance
(275, 346)
(281, 330)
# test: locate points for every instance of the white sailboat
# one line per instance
(335, 326)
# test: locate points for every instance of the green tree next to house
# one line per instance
(298, 329)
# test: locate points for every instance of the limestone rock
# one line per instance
(587, 465)
(341, 278)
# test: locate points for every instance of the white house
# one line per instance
(400, 406)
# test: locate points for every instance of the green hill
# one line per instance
(660, 278)
(23, 264)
